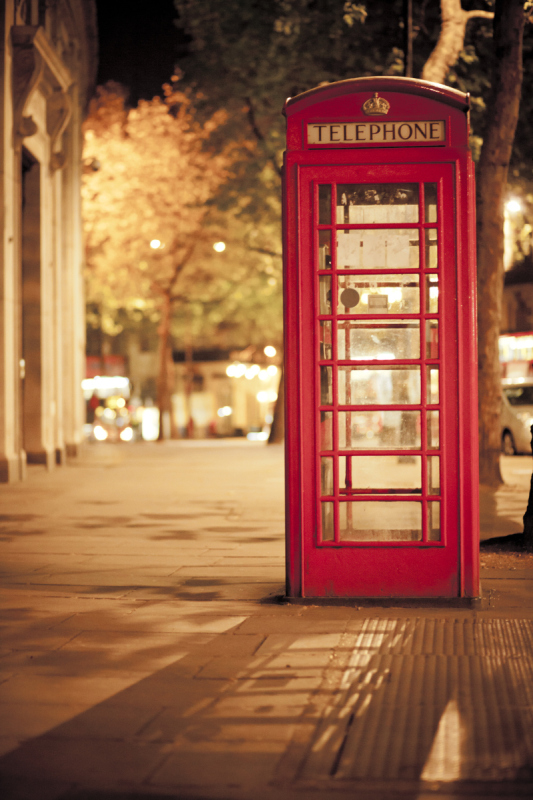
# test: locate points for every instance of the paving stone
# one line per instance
(25, 721)
(79, 760)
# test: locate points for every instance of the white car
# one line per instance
(517, 416)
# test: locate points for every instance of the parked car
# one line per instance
(517, 416)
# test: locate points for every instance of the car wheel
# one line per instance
(508, 447)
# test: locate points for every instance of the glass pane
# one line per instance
(433, 474)
(432, 294)
(378, 385)
(432, 378)
(379, 430)
(432, 338)
(430, 202)
(326, 476)
(433, 430)
(328, 534)
(326, 348)
(391, 474)
(324, 249)
(365, 520)
(324, 204)
(326, 391)
(326, 430)
(360, 204)
(358, 340)
(377, 249)
(434, 521)
(378, 294)
(431, 249)
(325, 294)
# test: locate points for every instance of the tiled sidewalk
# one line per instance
(144, 653)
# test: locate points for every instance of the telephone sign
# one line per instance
(380, 342)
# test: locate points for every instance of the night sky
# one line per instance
(139, 44)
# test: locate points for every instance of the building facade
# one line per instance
(49, 56)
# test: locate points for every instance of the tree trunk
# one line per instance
(451, 39)
(165, 378)
(491, 188)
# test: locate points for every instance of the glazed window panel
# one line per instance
(378, 294)
(432, 338)
(361, 340)
(328, 522)
(372, 385)
(434, 474)
(325, 294)
(374, 521)
(432, 294)
(379, 430)
(433, 518)
(326, 347)
(326, 430)
(431, 243)
(326, 386)
(326, 476)
(430, 202)
(433, 438)
(387, 474)
(432, 385)
(378, 249)
(324, 250)
(379, 203)
(324, 204)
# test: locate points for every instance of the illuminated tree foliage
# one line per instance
(150, 178)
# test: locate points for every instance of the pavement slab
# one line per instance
(147, 652)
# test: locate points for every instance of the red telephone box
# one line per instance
(380, 342)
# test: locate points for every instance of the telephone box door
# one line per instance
(377, 259)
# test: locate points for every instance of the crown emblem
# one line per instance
(375, 106)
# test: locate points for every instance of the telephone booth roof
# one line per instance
(343, 89)
(405, 99)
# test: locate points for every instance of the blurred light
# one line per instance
(150, 424)
(108, 413)
(105, 382)
(257, 436)
(270, 351)
(272, 370)
(252, 371)
(100, 433)
(513, 206)
(269, 419)
(127, 434)
(263, 375)
(267, 396)
(219, 247)
(225, 411)
(155, 244)
(121, 402)
(237, 370)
